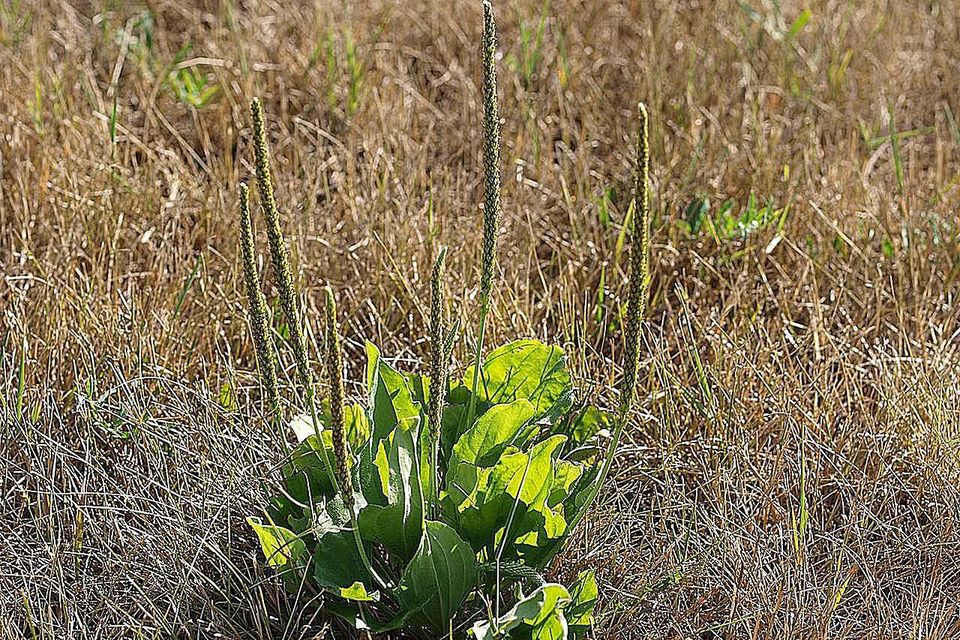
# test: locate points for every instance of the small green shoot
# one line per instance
(895, 144)
(531, 45)
(731, 221)
(191, 86)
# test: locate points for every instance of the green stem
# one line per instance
(622, 418)
(435, 479)
(336, 487)
(472, 406)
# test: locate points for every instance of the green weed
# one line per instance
(191, 86)
(332, 53)
(531, 46)
(443, 498)
(730, 221)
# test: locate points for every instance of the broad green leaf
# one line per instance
(358, 593)
(484, 442)
(542, 525)
(305, 483)
(420, 392)
(419, 386)
(356, 426)
(397, 521)
(465, 482)
(305, 478)
(572, 505)
(336, 561)
(459, 394)
(452, 427)
(282, 509)
(482, 514)
(583, 600)
(486, 500)
(525, 369)
(589, 423)
(281, 547)
(528, 482)
(535, 531)
(565, 475)
(391, 466)
(538, 616)
(391, 402)
(350, 612)
(582, 488)
(439, 577)
(545, 524)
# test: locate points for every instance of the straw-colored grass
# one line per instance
(794, 469)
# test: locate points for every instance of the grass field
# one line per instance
(794, 471)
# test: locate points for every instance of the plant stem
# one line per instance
(636, 306)
(472, 406)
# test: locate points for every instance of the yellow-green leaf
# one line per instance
(358, 592)
(281, 547)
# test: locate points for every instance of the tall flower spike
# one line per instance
(278, 249)
(257, 310)
(491, 183)
(288, 301)
(491, 154)
(335, 376)
(437, 335)
(636, 306)
(438, 368)
(281, 269)
(639, 266)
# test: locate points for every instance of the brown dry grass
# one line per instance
(828, 359)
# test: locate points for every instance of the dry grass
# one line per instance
(807, 373)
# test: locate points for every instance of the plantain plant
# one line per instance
(434, 508)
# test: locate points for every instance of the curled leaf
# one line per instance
(281, 547)
(539, 616)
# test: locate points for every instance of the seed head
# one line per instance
(257, 309)
(491, 154)
(639, 264)
(438, 359)
(636, 309)
(278, 249)
(335, 376)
